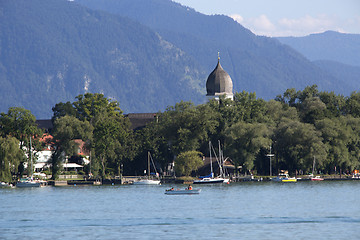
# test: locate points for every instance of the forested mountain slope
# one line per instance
(330, 45)
(51, 51)
(255, 64)
(146, 54)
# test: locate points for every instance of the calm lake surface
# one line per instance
(266, 210)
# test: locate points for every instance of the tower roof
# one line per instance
(219, 82)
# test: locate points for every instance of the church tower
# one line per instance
(219, 83)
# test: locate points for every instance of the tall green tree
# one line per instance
(342, 139)
(19, 123)
(188, 161)
(66, 129)
(63, 109)
(353, 104)
(113, 142)
(296, 144)
(244, 142)
(90, 105)
(187, 127)
(11, 156)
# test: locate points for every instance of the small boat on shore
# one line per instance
(182, 191)
(317, 178)
(208, 180)
(148, 180)
(29, 182)
(5, 185)
(284, 177)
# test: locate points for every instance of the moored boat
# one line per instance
(29, 182)
(5, 185)
(284, 177)
(208, 180)
(147, 182)
(317, 178)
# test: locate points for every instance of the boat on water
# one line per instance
(148, 180)
(210, 179)
(283, 177)
(317, 178)
(5, 185)
(185, 191)
(30, 181)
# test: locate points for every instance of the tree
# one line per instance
(276, 112)
(312, 109)
(90, 105)
(113, 142)
(149, 139)
(63, 109)
(245, 140)
(248, 107)
(187, 127)
(296, 144)
(187, 162)
(353, 104)
(342, 139)
(19, 123)
(335, 104)
(11, 156)
(66, 129)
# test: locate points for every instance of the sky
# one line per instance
(274, 18)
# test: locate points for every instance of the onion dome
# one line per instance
(219, 82)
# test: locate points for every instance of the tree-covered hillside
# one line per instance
(53, 50)
(145, 54)
(254, 63)
(330, 45)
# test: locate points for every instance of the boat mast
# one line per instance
(270, 155)
(221, 160)
(148, 164)
(313, 166)
(31, 161)
(211, 167)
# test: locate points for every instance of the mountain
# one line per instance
(255, 64)
(346, 74)
(330, 45)
(335, 53)
(146, 54)
(54, 50)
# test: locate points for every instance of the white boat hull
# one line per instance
(28, 184)
(147, 182)
(5, 185)
(182, 192)
(209, 181)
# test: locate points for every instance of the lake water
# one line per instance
(266, 210)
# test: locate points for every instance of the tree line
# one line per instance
(299, 126)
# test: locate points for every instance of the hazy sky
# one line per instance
(285, 17)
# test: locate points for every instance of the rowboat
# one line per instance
(182, 191)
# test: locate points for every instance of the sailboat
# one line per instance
(148, 181)
(210, 178)
(29, 181)
(317, 178)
